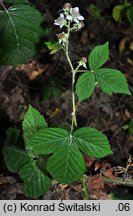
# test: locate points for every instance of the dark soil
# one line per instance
(26, 84)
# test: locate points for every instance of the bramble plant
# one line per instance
(55, 153)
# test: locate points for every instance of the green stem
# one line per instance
(74, 120)
(81, 71)
(85, 192)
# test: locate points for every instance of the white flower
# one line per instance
(61, 21)
(75, 15)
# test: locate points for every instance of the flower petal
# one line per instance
(61, 25)
(76, 20)
(69, 17)
(71, 10)
(56, 22)
(62, 15)
(76, 9)
(80, 18)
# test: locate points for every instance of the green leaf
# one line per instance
(49, 140)
(14, 156)
(12, 135)
(85, 86)
(94, 10)
(20, 30)
(36, 183)
(53, 47)
(98, 56)
(67, 164)
(117, 12)
(130, 14)
(112, 81)
(92, 142)
(33, 121)
(16, 1)
(42, 163)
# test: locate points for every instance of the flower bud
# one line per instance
(83, 62)
(62, 38)
(67, 7)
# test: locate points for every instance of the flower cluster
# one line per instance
(74, 15)
(71, 15)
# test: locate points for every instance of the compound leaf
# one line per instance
(92, 142)
(98, 56)
(85, 86)
(33, 121)
(66, 164)
(36, 183)
(112, 81)
(20, 30)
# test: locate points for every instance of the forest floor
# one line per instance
(45, 83)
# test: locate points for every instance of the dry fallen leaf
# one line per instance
(127, 115)
(131, 45)
(109, 173)
(56, 112)
(122, 44)
(130, 61)
(97, 165)
(33, 69)
(7, 180)
(89, 161)
(63, 186)
(96, 183)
